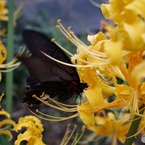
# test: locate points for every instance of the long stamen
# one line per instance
(60, 104)
(72, 108)
(66, 139)
(68, 64)
(47, 117)
(69, 34)
(75, 39)
(13, 64)
(77, 139)
(73, 65)
(9, 66)
(100, 56)
(53, 40)
(65, 135)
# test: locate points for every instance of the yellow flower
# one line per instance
(107, 125)
(130, 94)
(3, 53)
(8, 66)
(4, 15)
(129, 17)
(33, 133)
(86, 115)
(3, 11)
(6, 122)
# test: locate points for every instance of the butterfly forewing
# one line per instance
(47, 75)
(36, 41)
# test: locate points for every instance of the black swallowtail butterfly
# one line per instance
(47, 75)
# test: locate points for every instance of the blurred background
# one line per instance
(82, 15)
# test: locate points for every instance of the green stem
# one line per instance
(9, 75)
(134, 127)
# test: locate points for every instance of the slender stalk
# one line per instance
(134, 127)
(9, 75)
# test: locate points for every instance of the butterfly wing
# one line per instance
(43, 79)
(35, 41)
(46, 75)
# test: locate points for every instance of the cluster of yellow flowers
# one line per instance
(112, 66)
(114, 58)
(34, 128)
(33, 133)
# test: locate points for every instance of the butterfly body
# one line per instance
(46, 75)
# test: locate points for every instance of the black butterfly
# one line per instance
(46, 75)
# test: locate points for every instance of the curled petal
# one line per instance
(113, 50)
(6, 122)
(137, 6)
(93, 39)
(136, 38)
(106, 10)
(86, 116)
(21, 137)
(6, 132)
(114, 10)
(30, 122)
(94, 96)
(3, 18)
(108, 125)
(5, 113)
(28, 136)
(134, 60)
(33, 133)
(3, 10)
(138, 73)
(3, 52)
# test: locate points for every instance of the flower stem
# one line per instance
(134, 127)
(9, 75)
